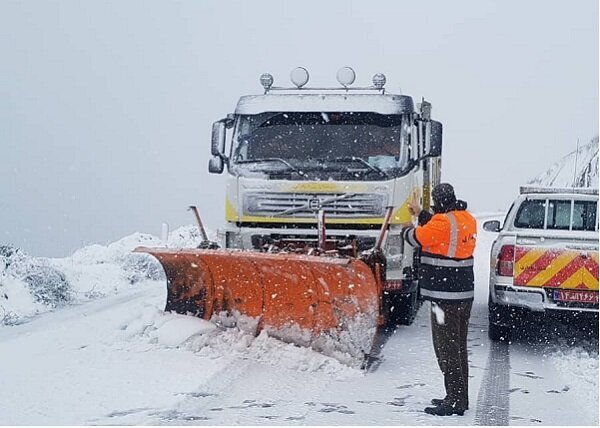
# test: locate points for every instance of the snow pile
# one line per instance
(563, 174)
(33, 285)
(224, 337)
(579, 368)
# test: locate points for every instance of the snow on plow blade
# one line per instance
(329, 304)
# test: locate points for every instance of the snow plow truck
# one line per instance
(318, 182)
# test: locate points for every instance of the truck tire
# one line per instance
(499, 323)
(402, 308)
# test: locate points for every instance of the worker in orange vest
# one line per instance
(446, 240)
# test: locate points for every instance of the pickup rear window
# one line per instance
(584, 215)
(557, 214)
(531, 214)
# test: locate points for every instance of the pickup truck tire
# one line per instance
(498, 333)
(499, 323)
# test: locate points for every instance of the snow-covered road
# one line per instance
(120, 360)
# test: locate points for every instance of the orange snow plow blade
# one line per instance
(330, 304)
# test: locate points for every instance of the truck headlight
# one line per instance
(394, 252)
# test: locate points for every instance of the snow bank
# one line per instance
(226, 336)
(33, 285)
(29, 286)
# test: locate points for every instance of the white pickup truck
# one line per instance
(545, 258)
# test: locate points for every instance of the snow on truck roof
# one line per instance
(558, 190)
(319, 102)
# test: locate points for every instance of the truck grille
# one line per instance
(305, 205)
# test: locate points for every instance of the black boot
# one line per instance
(439, 401)
(445, 409)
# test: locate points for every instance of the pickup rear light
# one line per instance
(506, 259)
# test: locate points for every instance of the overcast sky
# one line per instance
(106, 106)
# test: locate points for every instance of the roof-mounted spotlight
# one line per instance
(346, 76)
(379, 80)
(299, 76)
(266, 80)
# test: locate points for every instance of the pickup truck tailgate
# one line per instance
(569, 269)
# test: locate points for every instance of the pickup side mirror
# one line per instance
(215, 165)
(492, 226)
(435, 143)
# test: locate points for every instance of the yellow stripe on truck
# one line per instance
(589, 280)
(552, 269)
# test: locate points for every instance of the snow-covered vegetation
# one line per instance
(33, 285)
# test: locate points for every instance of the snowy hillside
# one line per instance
(563, 174)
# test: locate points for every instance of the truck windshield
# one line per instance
(324, 141)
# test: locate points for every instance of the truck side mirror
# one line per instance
(435, 144)
(217, 147)
(215, 165)
(492, 226)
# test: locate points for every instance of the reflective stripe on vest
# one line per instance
(448, 295)
(432, 261)
(453, 235)
(410, 237)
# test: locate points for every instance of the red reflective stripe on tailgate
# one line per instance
(520, 252)
(565, 273)
(592, 266)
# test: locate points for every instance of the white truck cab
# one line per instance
(545, 258)
(347, 151)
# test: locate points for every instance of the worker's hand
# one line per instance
(414, 209)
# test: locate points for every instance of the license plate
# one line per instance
(393, 285)
(581, 296)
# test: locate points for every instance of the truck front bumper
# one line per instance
(251, 238)
(255, 238)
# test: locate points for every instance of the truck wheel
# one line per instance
(499, 324)
(403, 309)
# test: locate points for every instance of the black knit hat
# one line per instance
(443, 197)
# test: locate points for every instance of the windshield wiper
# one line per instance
(372, 168)
(283, 161)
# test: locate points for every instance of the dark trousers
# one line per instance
(450, 344)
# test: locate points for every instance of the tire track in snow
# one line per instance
(493, 398)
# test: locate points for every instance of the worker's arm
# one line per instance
(415, 210)
(429, 234)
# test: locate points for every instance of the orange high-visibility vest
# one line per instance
(450, 235)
